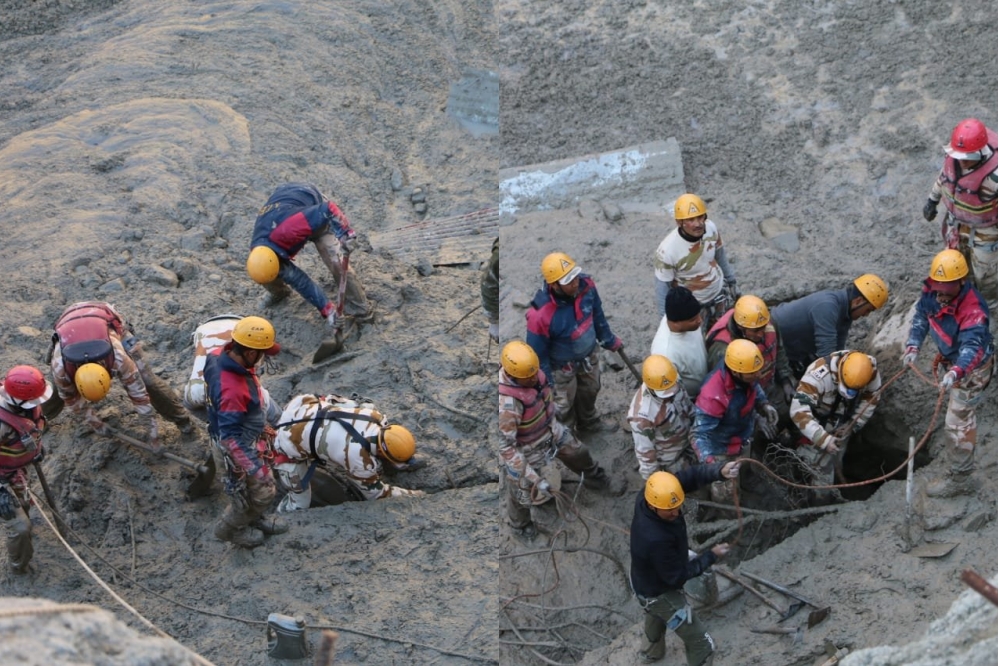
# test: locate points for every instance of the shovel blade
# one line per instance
(328, 348)
(202, 484)
(817, 616)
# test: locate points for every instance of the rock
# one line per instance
(424, 267)
(783, 236)
(420, 208)
(590, 209)
(186, 269)
(28, 331)
(396, 180)
(612, 211)
(162, 276)
(977, 521)
(193, 240)
(418, 196)
(114, 286)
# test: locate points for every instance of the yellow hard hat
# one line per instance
(873, 289)
(751, 312)
(254, 332)
(663, 491)
(263, 264)
(948, 266)
(396, 444)
(559, 267)
(743, 356)
(856, 370)
(688, 206)
(659, 373)
(92, 381)
(519, 360)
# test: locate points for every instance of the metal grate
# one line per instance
(449, 241)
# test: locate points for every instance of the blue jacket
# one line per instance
(293, 215)
(659, 547)
(815, 325)
(960, 328)
(235, 408)
(723, 414)
(561, 330)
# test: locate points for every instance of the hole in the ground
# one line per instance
(880, 447)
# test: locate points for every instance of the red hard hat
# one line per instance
(25, 384)
(967, 140)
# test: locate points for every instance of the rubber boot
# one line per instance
(248, 537)
(950, 485)
(652, 652)
(270, 525)
(275, 294)
(595, 478)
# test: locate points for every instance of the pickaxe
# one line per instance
(814, 617)
(784, 614)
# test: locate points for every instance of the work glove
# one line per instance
(331, 319)
(733, 290)
(40, 456)
(910, 355)
(94, 423)
(830, 444)
(731, 470)
(348, 243)
(948, 380)
(615, 345)
(769, 431)
(930, 210)
(771, 415)
(721, 549)
(7, 503)
(789, 391)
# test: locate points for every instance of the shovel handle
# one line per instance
(631, 366)
(780, 588)
(131, 441)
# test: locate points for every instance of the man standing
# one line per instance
(489, 291)
(750, 320)
(660, 416)
(565, 323)
(679, 339)
(661, 562)
(531, 438)
(92, 343)
(353, 436)
(236, 423)
(967, 185)
(724, 412)
(692, 256)
(295, 214)
(954, 313)
(21, 425)
(819, 324)
(836, 398)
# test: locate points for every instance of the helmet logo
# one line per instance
(757, 362)
(673, 500)
(565, 264)
(692, 209)
(940, 272)
(760, 319)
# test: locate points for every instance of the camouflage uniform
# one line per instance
(661, 430)
(20, 445)
(310, 430)
(489, 291)
(820, 411)
(527, 448)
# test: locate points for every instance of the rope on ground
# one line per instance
(49, 610)
(464, 317)
(114, 595)
(202, 611)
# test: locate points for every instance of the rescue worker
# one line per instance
(819, 324)
(210, 335)
(967, 184)
(92, 344)
(954, 313)
(680, 340)
(21, 424)
(489, 291)
(565, 323)
(295, 214)
(351, 435)
(660, 415)
(531, 438)
(724, 411)
(236, 424)
(750, 320)
(661, 562)
(835, 399)
(692, 256)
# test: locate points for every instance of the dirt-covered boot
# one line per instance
(248, 537)
(527, 533)
(275, 296)
(652, 652)
(950, 486)
(596, 478)
(270, 525)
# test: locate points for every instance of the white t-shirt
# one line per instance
(692, 265)
(687, 352)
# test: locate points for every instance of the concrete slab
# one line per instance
(474, 101)
(645, 177)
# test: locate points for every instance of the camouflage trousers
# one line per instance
(18, 528)
(576, 386)
(249, 498)
(960, 424)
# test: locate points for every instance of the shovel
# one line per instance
(784, 614)
(131, 441)
(631, 366)
(814, 617)
(330, 347)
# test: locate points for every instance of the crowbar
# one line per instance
(131, 441)
(48, 498)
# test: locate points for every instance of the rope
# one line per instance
(198, 658)
(233, 618)
(49, 610)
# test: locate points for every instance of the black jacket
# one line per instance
(659, 547)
